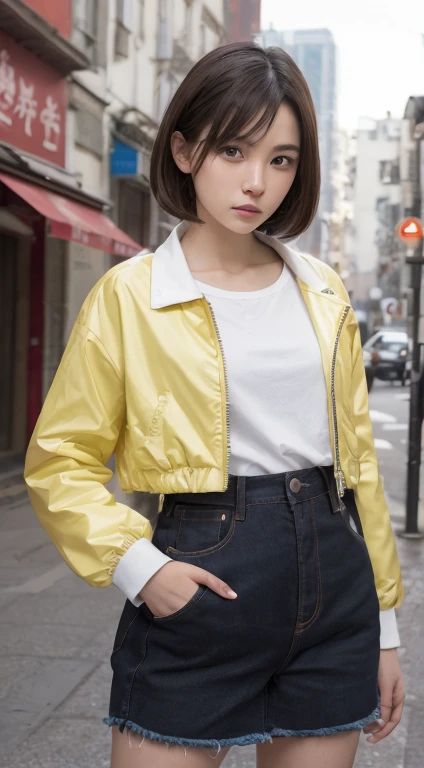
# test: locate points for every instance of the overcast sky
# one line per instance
(380, 49)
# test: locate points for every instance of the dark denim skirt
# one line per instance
(295, 654)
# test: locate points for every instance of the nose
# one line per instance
(254, 180)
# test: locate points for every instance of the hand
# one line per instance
(173, 586)
(392, 696)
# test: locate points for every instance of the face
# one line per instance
(257, 174)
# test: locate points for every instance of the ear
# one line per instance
(180, 152)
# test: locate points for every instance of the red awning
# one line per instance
(73, 221)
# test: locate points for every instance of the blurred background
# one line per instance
(83, 87)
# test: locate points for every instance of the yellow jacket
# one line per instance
(143, 375)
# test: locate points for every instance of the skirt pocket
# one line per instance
(193, 530)
(201, 591)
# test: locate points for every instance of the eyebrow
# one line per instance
(286, 147)
(278, 148)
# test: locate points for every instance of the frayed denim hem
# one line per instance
(241, 741)
(355, 726)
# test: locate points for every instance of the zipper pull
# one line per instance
(341, 483)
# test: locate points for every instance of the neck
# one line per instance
(211, 246)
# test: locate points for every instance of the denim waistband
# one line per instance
(290, 487)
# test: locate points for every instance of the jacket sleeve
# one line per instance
(65, 470)
(369, 494)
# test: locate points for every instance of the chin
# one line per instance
(240, 227)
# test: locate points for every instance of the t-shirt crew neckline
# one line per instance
(212, 290)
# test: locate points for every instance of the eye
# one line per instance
(289, 160)
(231, 150)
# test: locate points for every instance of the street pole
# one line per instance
(414, 258)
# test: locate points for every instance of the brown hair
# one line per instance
(225, 91)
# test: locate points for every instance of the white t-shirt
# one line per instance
(276, 387)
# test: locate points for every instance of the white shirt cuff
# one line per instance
(389, 635)
(139, 563)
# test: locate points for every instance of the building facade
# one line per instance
(339, 223)
(377, 210)
(44, 210)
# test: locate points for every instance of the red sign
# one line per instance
(410, 229)
(33, 100)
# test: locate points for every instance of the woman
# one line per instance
(226, 373)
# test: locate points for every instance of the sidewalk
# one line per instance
(57, 635)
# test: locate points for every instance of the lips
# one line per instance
(247, 208)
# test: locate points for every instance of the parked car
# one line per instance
(390, 354)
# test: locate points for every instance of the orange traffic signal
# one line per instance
(410, 229)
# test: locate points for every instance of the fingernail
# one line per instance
(370, 740)
(381, 722)
(231, 593)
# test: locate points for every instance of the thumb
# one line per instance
(215, 584)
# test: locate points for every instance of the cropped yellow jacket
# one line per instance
(143, 374)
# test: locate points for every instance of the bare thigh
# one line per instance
(129, 750)
(337, 751)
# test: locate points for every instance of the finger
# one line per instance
(375, 726)
(386, 701)
(386, 712)
(215, 584)
(389, 727)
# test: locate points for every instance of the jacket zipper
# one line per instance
(227, 405)
(340, 480)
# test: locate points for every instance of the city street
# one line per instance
(57, 632)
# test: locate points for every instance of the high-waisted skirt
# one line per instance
(295, 654)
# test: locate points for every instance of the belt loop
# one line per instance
(241, 499)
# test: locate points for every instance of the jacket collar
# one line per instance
(173, 283)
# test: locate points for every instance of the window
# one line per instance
(386, 345)
(389, 342)
(164, 33)
(85, 26)
(89, 132)
(124, 10)
(412, 165)
(90, 17)
(389, 172)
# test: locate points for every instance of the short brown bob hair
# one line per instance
(226, 90)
